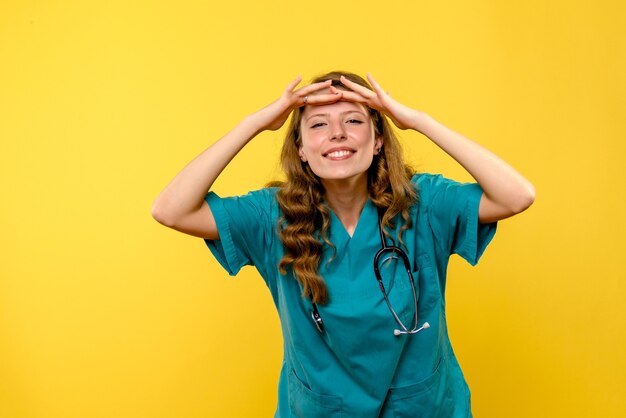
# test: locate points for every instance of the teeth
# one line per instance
(338, 154)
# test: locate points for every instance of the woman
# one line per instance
(353, 346)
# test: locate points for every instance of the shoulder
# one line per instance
(427, 184)
(437, 190)
(260, 202)
(427, 181)
(266, 194)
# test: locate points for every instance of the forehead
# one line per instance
(332, 109)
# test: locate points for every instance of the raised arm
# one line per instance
(506, 191)
(181, 204)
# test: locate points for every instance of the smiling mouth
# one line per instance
(339, 154)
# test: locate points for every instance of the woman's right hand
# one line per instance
(181, 204)
(273, 116)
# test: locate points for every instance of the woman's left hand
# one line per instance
(505, 191)
(402, 116)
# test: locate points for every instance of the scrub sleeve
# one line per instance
(453, 210)
(246, 226)
(452, 214)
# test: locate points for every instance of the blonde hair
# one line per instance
(304, 225)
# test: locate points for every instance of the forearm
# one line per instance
(502, 184)
(185, 193)
(506, 192)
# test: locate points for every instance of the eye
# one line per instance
(318, 125)
(355, 121)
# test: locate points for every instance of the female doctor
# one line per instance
(353, 246)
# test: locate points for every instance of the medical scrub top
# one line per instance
(357, 367)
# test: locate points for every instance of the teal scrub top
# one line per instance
(358, 367)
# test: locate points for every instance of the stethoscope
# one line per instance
(390, 252)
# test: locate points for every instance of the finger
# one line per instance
(335, 90)
(351, 96)
(323, 98)
(311, 88)
(293, 84)
(302, 95)
(377, 88)
(364, 91)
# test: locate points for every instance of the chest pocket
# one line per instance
(303, 402)
(435, 396)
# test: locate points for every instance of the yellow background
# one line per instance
(105, 313)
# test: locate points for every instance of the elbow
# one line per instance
(524, 200)
(161, 214)
(518, 201)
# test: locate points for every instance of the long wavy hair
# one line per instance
(304, 225)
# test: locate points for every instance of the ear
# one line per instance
(378, 144)
(301, 154)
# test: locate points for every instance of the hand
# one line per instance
(402, 116)
(273, 116)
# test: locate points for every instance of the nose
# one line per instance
(338, 132)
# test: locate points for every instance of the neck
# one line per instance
(347, 198)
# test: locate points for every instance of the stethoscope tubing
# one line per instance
(395, 252)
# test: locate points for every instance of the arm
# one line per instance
(506, 192)
(181, 204)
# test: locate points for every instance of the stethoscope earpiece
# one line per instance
(398, 332)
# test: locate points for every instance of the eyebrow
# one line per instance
(342, 113)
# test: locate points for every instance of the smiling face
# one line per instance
(338, 141)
